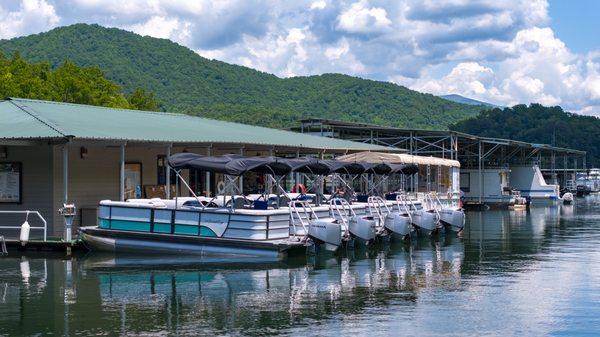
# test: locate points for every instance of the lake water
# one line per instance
(513, 273)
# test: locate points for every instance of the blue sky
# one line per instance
(504, 52)
(577, 23)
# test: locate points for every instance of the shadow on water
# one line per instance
(129, 294)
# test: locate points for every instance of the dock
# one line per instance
(50, 245)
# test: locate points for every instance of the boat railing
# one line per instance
(378, 208)
(43, 228)
(340, 209)
(403, 202)
(431, 205)
(301, 212)
(437, 202)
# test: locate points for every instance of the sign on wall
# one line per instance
(10, 182)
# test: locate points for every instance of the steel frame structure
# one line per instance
(471, 151)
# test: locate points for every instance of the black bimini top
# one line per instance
(237, 165)
(234, 165)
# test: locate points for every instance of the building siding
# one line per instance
(36, 187)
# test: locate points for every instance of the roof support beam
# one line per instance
(122, 173)
(168, 173)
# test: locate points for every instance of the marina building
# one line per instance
(57, 153)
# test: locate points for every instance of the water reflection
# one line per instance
(390, 286)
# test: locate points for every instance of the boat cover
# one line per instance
(406, 169)
(343, 167)
(307, 165)
(234, 165)
(237, 165)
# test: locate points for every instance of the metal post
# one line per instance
(297, 178)
(66, 173)
(68, 221)
(241, 179)
(207, 174)
(168, 172)
(122, 174)
(565, 171)
(480, 173)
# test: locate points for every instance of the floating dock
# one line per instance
(50, 245)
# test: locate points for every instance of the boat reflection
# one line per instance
(143, 294)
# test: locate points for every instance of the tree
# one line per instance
(67, 83)
(141, 100)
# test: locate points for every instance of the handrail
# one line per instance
(376, 207)
(306, 209)
(431, 204)
(45, 227)
(344, 215)
(401, 197)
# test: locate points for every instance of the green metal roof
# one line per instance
(26, 119)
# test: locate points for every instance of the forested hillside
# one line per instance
(67, 83)
(187, 82)
(538, 124)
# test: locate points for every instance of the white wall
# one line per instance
(492, 184)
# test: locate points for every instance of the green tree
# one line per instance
(141, 100)
(186, 82)
(67, 83)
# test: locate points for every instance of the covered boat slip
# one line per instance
(274, 227)
(478, 156)
(69, 153)
(433, 174)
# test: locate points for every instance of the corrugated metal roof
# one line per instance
(34, 119)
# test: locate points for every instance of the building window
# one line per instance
(465, 182)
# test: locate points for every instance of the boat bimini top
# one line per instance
(237, 165)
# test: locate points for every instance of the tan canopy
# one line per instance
(398, 158)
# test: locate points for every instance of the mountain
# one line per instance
(465, 100)
(186, 82)
(538, 124)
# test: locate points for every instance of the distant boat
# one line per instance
(588, 183)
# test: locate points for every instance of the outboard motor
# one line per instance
(425, 219)
(392, 223)
(452, 216)
(326, 233)
(361, 227)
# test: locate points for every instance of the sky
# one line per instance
(503, 52)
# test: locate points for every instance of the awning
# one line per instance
(398, 158)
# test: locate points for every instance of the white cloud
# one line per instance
(360, 18)
(32, 16)
(163, 27)
(497, 51)
(318, 5)
(540, 69)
